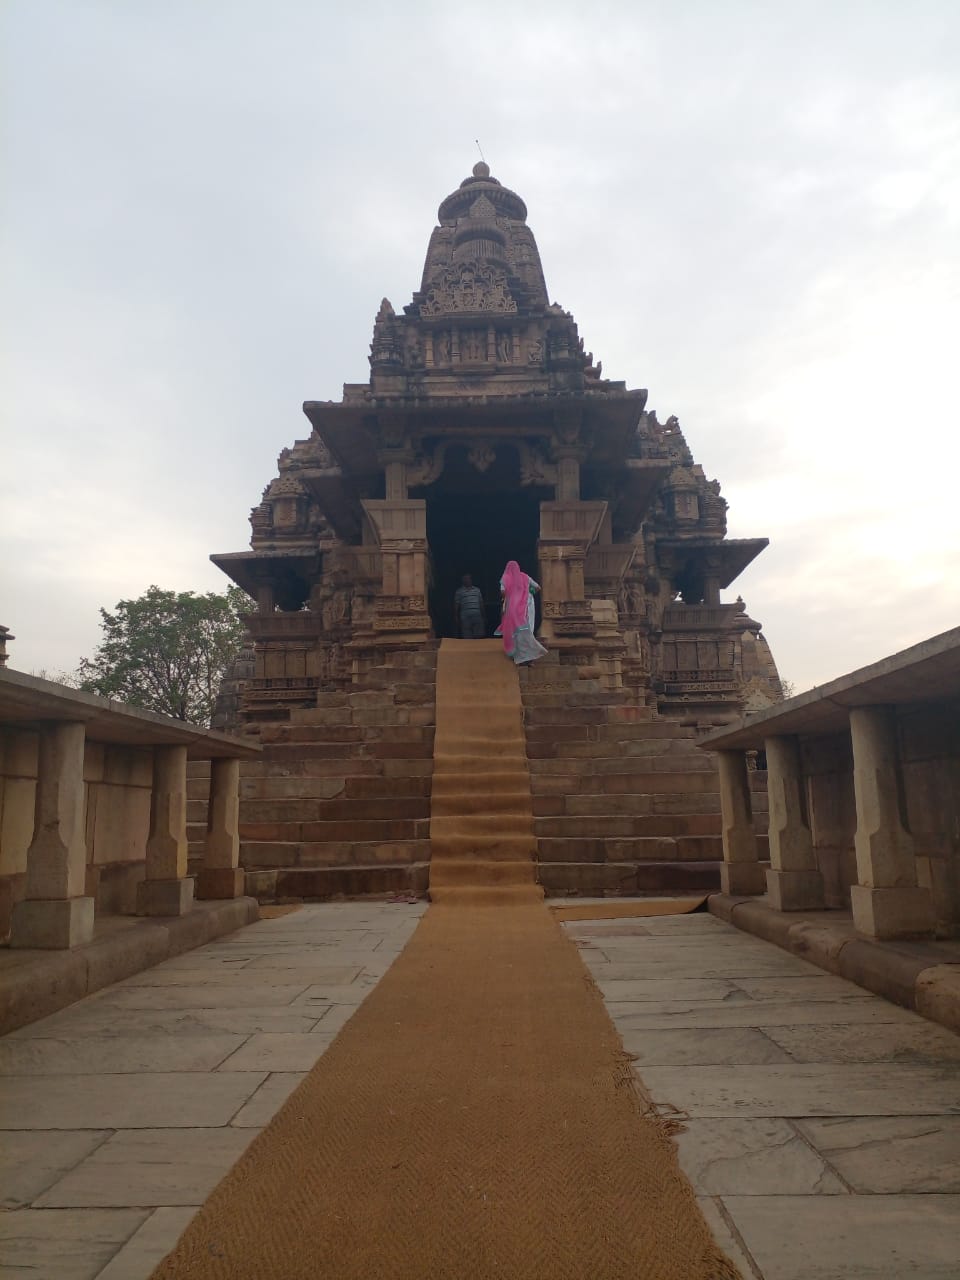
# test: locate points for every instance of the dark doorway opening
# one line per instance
(477, 534)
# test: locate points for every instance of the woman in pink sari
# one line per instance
(516, 625)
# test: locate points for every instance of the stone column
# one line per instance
(888, 902)
(568, 477)
(741, 871)
(167, 890)
(794, 882)
(221, 875)
(55, 911)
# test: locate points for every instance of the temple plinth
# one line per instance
(485, 433)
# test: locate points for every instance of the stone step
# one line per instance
(360, 788)
(646, 758)
(351, 830)
(654, 824)
(570, 715)
(348, 737)
(318, 884)
(639, 767)
(620, 785)
(590, 878)
(262, 854)
(594, 826)
(655, 732)
(300, 809)
(290, 754)
(577, 698)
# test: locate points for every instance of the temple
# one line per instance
(486, 433)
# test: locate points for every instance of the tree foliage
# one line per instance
(167, 651)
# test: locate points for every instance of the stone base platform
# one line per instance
(924, 976)
(34, 984)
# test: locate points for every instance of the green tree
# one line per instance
(167, 651)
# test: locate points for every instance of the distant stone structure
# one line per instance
(5, 637)
(486, 432)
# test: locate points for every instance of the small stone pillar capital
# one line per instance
(741, 871)
(887, 902)
(794, 881)
(167, 890)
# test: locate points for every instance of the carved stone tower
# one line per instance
(485, 433)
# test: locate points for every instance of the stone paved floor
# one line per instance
(824, 1123)
(122, 1112)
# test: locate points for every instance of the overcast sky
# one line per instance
(752, 209)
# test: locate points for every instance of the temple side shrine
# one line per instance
(486, 433)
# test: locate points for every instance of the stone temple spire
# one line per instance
(485, 222)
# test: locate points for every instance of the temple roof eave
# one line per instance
(250, 569)
(349, 430)
(734, 554)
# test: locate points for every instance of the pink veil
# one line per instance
(516, 588)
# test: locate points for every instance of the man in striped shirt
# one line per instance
(468, 612)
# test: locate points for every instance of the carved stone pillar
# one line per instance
(55, 912)
(794, 881)
(395, 474)
(167, 890)
(221, 875)
(741, 871)
(568, 478)
(887, 902)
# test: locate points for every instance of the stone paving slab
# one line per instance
(662, 1014)
(839, 1159)
(810, 1089)
(31, 1161)
(267, 1100)
(148, 1245)
(225, 975)
(718, 1046)
(280, 1052)
(904, 1043)
(885, 1154)
(106, 1022)
(64, 1244)
(78, 1055)
(139, 1100)
(750, 1157)
(244, 995)
(124, 1111)
(150, 1167)
(853, 1237)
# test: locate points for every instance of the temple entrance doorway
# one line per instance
(477, 534)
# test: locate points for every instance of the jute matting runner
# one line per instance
(477, 1117)
(626, 910)
(275, 912)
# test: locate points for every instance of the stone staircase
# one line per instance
(623, 800)
(339, 803)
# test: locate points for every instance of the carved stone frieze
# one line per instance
(534, 467)
(403, 622)
(466, 288)
(401, 604)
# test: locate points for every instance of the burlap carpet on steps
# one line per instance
(477, 1117)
